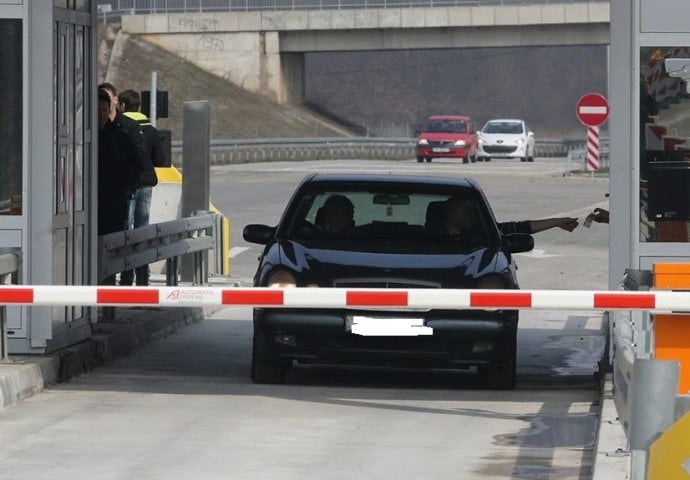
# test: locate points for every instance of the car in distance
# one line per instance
(447, 136)
(394, 236)
(506, 138)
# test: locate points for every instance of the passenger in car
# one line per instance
(453, 210)
(461, 219)
(336, 215)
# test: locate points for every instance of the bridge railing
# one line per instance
(232, 151)
(190, 6)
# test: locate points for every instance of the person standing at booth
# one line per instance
(118, 172)
(139, 207)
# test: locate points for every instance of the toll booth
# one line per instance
(47, 175)
(650, 134)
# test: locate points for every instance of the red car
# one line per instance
(447, 136)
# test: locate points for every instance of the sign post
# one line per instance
(592, 110)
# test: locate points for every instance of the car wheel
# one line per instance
(480, 159)
(523, 159)
(428, 159)
(502, 376)
(487, 159)
(530, 159)
(420, 159)
(266, 369)
(465, 159)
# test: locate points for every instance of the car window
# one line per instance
(448, 126)
(388, 215)
(504, 127)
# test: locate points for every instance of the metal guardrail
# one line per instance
(10, 263)
(119, 7)
(230, 151)
(129, 249)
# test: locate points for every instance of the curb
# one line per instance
(24, 376)
(611, 454)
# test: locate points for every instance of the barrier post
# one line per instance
(672, 332)
(3, 334)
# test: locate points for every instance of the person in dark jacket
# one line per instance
(140, 203)
(118, 172)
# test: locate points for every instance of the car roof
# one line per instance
(391, 179)
(513, 120)
(449, 117)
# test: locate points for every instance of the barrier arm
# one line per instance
(45, 295)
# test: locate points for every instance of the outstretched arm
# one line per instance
(566, 223)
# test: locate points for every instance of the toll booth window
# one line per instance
(11, 117)
(664, 144)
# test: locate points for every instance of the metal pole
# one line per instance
(652, 408)
(152, 102)
(196, 151)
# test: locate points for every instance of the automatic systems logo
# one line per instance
(187, 295)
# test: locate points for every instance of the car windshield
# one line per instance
(452, 126)
(503, 127)
(398, 216)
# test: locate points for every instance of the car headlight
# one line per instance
(459, 143)
(423, 141)
(520, 142)
(492, 282)
(281, 279)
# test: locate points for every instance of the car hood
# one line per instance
(440, 136)
(339, 267)
(505, 137)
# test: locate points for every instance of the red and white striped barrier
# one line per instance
(422, 298)
(592, 148)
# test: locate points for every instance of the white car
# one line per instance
(506, 138)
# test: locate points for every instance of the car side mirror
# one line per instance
(255, 233)
(531, 134)
(518, 242)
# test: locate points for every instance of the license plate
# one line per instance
(387, 326)
(440, 149)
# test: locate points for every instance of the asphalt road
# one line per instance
(184, 407)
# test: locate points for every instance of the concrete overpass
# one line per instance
(263, 51)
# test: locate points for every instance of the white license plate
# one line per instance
(387, 326)
(440, 149)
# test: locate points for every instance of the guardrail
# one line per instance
(231, 151)
(119, 7)
(10, 264)
(129, 249)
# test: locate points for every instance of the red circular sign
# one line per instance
(592, 109)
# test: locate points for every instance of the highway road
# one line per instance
(184, 407)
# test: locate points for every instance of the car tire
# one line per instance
(428, 159)
(530, 159)
(420, 159)
(466, 159)
(502, 376)
(480, 159)
(266, 369)
(523, 159)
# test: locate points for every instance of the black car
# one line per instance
(396, 234)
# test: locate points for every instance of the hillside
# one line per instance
(380, 93)
(235, 113)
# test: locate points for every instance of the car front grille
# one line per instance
(441, 143)
(499, 148)
(384, 283)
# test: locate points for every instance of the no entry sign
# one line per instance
(592, 109)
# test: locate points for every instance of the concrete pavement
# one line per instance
(24, 376)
